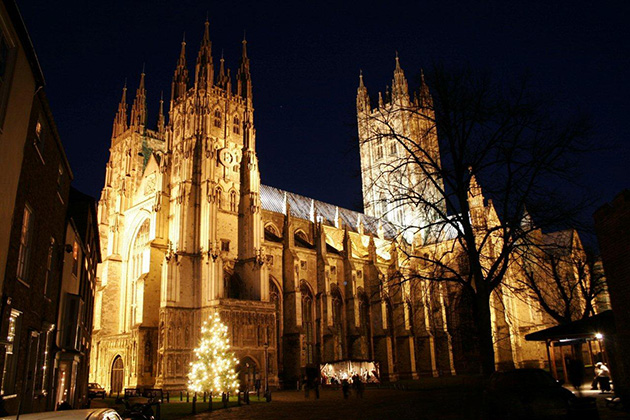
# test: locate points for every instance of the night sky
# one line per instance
(305, 60)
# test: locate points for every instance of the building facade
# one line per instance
(48, 249)
(612, 225)
(76, 301)
(187, 230)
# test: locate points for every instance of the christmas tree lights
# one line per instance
(214, 367)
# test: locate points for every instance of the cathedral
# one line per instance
(187, 230)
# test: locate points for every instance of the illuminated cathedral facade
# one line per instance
(187, 230)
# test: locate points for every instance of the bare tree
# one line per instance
(560, 276)
(424, 161)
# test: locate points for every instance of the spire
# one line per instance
(160, 121)
(363, 100)
(180, 78)
(400, 89)
(475, 195)
(243, 76)
(222, 78)
(139, 107)
(120, 121)
(204, 69)
(425, 100)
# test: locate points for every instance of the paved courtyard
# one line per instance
(375, 404)
(381, 404)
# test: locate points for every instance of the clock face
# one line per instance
(226, 157)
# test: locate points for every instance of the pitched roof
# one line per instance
(273, 199)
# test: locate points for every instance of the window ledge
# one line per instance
(23, 282)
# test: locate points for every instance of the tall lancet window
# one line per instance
(138, 265)
(236, 126)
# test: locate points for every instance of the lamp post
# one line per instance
(267, 395)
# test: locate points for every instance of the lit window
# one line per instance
(25, 244)
(236, 127)
(218, 196)
(379, 149)
(233, 201)
(39, 134)
(307, 320)
(75, 258)
(45, 365)
(12, 348)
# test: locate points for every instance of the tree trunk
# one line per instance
(483, 323)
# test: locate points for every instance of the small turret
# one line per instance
(120, 121)
(243, 77)
(204, 69)
(363, 100)
(400, 88)
(180, 78)
(139, 107)
(222, 78)
(160, 122)
(425, 100)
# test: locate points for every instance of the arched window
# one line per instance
(138, 265)
(233, 201)
(217, 118)
(236, 125)
(366, 328)
(383, 204)
(337, 304)
(300, 236)
(307, 322)
(218, 196)
(389, 310)
(275, 296)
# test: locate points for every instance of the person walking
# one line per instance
(345, 388)
(603, 377)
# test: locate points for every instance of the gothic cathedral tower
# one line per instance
(394, 137)
(181, 229)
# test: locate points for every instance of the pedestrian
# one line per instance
(316, 383)
(257, 386)
(345, 388)
(603, 377)
(307, 387)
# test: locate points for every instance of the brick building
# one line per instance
(612, 225)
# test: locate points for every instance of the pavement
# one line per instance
(376, 404)
(442, 404)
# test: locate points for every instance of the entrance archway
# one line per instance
(118, 374)
(248, 373)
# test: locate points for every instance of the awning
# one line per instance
(603, 323)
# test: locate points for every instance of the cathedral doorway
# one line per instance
(248, 374)
(275, 296)
(118, 374)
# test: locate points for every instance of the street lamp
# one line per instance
(267, 394)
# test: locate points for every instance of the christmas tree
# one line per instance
(213, 369)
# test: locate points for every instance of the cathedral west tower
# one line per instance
(181, 223)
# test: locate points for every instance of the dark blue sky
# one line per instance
(305, 59)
